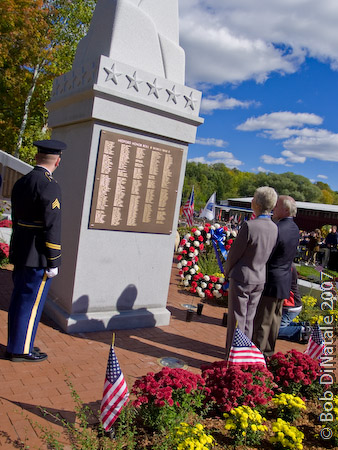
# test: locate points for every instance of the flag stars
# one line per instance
(173, 95)
(153, 88)
(112, 74)
(133, 81)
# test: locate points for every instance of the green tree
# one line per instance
(39, 41)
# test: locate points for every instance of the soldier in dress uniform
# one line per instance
(35, 249)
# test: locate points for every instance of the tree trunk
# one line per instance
(26, 110)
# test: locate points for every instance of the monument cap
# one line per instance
(50, 146)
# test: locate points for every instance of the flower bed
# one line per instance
(195, 246)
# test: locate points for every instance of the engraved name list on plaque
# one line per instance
(136, 183)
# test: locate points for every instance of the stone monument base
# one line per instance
(107, 320)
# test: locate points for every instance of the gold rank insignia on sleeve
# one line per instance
(56, 204)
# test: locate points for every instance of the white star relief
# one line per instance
(133, 81)
(190, 100)
(112, 74)
(173, 95)
(153, 88)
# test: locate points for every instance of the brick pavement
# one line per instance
(24, 387)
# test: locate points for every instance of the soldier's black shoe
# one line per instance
(8, 354)
(28, 357)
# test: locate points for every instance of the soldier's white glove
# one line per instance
(51, 273)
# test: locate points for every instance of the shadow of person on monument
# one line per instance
(129, 317)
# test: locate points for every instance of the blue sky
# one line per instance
(268, 71)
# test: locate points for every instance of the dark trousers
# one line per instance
(267, 323)
(30, 291)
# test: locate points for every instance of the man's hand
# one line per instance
(52, 272)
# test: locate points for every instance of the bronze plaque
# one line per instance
(136, 183)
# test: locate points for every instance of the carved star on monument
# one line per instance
(112, 74)
(190, 101)
(153, 88)
(173, 94)
(133, 81)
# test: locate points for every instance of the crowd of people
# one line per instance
(315, 250)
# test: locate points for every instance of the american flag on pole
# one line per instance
(243, 351)
(115, 392)
(188, 208)
(316, 344)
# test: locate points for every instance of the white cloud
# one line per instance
(291, 157)
(267, 159)
(259, 169)
(322, 145)
(226, 158)
(236, 40)
(212, 142)
(221, 101)
(280, 122)
(324, 177)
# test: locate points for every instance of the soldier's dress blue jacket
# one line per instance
(35, 246)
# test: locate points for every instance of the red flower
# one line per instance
(201, 246)
(191, 238)
(5, 223)
(193, 230)
(4, 249)
(189, 263)
(200, 238)
(179, 257)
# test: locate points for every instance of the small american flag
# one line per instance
(253, 216)
(243, 351)
(316, 344)
(115, 392)
(188, 208)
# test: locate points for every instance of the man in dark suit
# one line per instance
(35, 249)
(278, 281)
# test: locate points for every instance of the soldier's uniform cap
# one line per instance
(50, 146)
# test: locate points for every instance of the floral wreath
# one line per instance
(204, 285)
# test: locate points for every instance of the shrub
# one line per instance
(288, 406)
(168, 397)
(188, 437)
(293, 371)
(234, 386)
(286, 436)
(245, 425)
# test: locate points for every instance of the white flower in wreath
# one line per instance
(217, 225)
(201, 294)
(212, 227)
(227, 233)
(186, 283)
(203, 285)
(217, 294)
(207, 242)
(188, 277)
(196, 267)
(221, 280)
(190, 255)
(234, 233)
(198, 289)
(184, 262)
(196, 252)
(208, 236)
(179, 265)
(196, 244)
(180, 249)
(187, 236)
(197, 233)
(201, 228)
(192, 271)
(206, 277)
(218, 286)
(188, 244)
